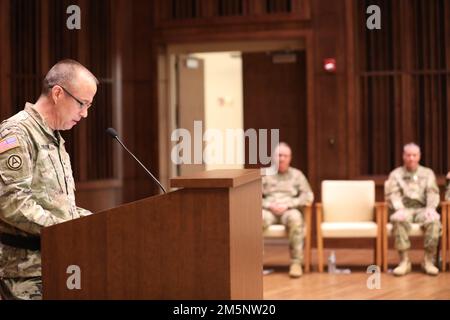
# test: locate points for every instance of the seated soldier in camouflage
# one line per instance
(284, 195)
(413, 196)
(36, 182)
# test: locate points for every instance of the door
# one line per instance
(190, 108)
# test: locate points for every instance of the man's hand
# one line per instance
(399, 215)
(277, 208)
(448, 175)
(431, 215)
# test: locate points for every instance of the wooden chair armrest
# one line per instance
(380, 212)
(307, 215)
(307, 209)
(319, 213)
(380, 204)
(445, 205)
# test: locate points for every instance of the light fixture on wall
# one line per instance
(329, 65)
(192, 63)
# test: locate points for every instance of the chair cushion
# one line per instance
(349, 229)
(348, 200)
(416, 230)
(276, 231)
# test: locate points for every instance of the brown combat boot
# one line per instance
(404, 266)
(295, 270)
(428, 265)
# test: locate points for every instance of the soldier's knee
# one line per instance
(400, 226)
(433, 218)
(295, 226)
(267, 217)
(294, 216)
(398, 216)
(433, 227)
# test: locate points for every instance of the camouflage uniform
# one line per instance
(36, 190)
(291, 189)
(414, 192)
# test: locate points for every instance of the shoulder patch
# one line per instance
(15, 162)
(9, 143)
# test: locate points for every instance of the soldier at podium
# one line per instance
(284, 195)
(36, 181)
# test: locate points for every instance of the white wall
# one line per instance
(223, 96)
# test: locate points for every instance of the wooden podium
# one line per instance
(203, 241)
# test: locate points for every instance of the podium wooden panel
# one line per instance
(203, 241)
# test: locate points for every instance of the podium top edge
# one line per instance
(216, 178)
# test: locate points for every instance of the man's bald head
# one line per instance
(411, 146)
(68, 92)
(283, 156)
(411, 156)
(66, 73)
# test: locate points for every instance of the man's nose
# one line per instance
(84, 112)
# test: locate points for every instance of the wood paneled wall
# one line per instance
(403, 77)
(283, 104)
(137, 56)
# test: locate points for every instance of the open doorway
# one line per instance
(209, 91)
(259, 85)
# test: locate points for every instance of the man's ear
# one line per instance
(56, 94)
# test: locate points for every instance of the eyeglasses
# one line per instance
(81, 103)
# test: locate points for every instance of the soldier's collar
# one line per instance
(411, 173)
(59, 137)
(29, 108)
(286, 173)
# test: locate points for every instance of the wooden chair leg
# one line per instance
(385, 241)
(319, 238)
(448, 227)
(444, 237)
(307, 257)
(320, 253)
(378, 251)
(379, 214)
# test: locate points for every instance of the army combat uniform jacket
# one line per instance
(291, 189)
(417, 189)
(36, 188)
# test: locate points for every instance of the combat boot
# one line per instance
(428, 265)
(295, 270)
(404, 266)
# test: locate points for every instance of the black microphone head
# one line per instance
(112, 132)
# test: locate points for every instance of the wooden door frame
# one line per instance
(166, 105)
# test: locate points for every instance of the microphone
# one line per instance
(113, 134)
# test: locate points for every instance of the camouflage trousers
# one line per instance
(293, 220)
(401, 228)
(21, 288)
